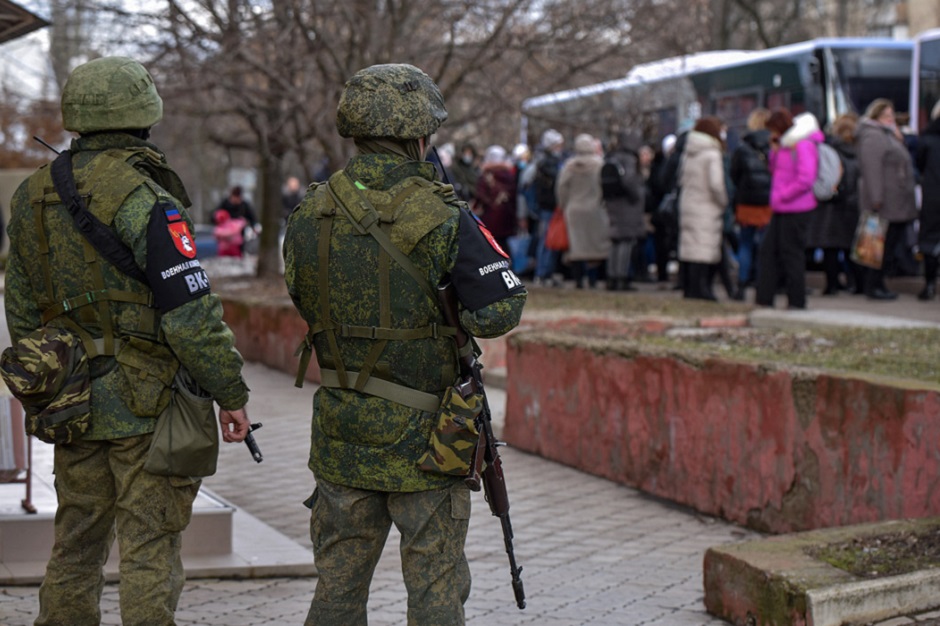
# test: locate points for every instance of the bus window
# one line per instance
(869, 73)
(928, 74)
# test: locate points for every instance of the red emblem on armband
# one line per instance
(183, 241)
(489, 237)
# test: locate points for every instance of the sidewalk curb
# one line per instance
(774, 581)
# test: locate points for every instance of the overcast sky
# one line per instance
(24, 66)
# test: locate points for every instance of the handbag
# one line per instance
(519, 251)
(556, 237)
(868, 246)
(186, 439)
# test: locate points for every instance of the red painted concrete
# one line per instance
(769, 449)
(269, 333)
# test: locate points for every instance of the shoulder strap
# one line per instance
(365, 218)
(104, 240)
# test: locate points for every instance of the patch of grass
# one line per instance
(897, 353)
(883, 555)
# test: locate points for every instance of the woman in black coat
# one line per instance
(751, 181)
(928, 163)
(832, 224)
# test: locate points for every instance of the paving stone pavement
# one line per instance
(593, 552)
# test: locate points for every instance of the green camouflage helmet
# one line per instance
(111, 93)
(394, 100)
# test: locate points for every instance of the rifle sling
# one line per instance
(366, 219)
(104, 239)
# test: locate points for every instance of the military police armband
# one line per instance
(482, 273)
(174, 272)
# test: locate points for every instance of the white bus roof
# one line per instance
(694, 63)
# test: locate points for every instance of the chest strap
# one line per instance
(91, 297)
(366, 220)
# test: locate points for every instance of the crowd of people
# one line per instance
(754, 216)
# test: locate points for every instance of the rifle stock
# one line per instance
(485, 466)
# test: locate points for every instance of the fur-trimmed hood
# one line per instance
(805, 126)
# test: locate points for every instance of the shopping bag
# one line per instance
(556, 237)
(519, 251)
(868, 247)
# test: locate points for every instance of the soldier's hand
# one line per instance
(235, 425)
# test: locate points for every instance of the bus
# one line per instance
(925, 73)
(827, 77)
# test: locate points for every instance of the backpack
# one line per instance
(829, 174)
(612, 174)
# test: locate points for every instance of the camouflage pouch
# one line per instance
(147, 370)
(453, 439)
(47, 371)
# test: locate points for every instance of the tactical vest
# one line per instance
(74, 295)
(354, 224)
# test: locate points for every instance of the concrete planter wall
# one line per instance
(775, 450)
(269, 333)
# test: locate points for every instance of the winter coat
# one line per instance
(833, 223)
(887, 174)
(703, 199)
(626, 212)
(749, 171)
(750, 179)
(793, 167)
(496, 199)
(928, 162)
(547, 166)
(579, 195)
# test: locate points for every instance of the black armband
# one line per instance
(173, 269)
(482, 274)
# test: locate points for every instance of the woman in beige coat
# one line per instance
(702, 206)
(579, 195)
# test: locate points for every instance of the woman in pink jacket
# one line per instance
(794, 159)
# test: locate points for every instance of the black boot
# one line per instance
(929, 292)
(577, 270)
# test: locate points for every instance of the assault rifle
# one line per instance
(486, 466)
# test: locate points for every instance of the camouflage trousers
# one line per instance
(100, 485)
(349, 527)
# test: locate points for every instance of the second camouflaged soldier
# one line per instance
(136, 336)
(364, 254)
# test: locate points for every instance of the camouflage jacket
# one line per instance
(189, 330)
(362, 440)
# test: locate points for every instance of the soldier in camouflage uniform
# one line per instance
(385, 354)
(136, 336)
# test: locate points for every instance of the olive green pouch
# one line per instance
(186, 439)
(453, 439)
(147, 370)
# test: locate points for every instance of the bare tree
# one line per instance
(266, 77)
(258, 81)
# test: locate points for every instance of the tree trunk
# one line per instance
(269, 252)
